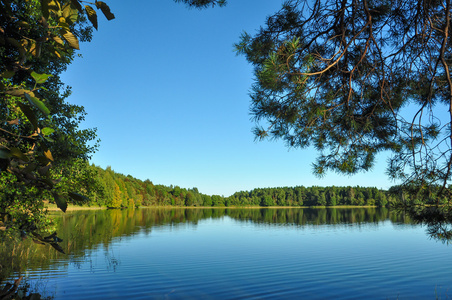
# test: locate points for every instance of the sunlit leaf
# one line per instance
(35, 49)
(70, 13)
(105, 10)
(38, 103)
(23, 24)
(92, 16)
(47, 130)
(71, 39)
(17, 92)
(40, 78)
(54, 5)
(58, 40)
(63, 24)
(48, 155)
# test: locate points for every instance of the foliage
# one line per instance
(314, 196)
(203, 3)
(114, 190)
(39, 134)
(356, 78)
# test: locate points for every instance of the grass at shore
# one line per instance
(70, 207)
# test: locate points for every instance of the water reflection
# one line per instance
(90, 230)
(92, 239)
(438, 220)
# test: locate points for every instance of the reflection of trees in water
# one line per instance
(84, 231)
(438, 220)
(92, 230)
(315, 216)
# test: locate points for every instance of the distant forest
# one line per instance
(115, 190)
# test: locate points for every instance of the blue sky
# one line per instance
(169, 98)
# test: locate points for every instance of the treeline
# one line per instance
(115, 190)
(313, 196)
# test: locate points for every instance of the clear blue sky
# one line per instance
(170, 100)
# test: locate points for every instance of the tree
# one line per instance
(39, 134)
(356, 78)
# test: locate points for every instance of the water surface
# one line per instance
(244, 254)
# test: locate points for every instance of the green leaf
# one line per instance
(63, 25)
(17, 153)
(40, 78)
(47, 130)
(38, 103)
(92, 16)
(71, 39)
(4, 153)
(105, 10)
(28, 112)
(49, 139)
(70, 13)
(54, 5)
(8, 74)
(60, 202)
(78, 197)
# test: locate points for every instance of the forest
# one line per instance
(108, 188)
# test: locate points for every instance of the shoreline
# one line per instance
(54, 208)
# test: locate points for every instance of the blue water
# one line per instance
(226, 258)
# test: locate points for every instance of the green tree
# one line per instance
(322, 199)
(206, 200)
(331, 199)
(380, 199)
(280, 197)
(355, 78)
(39, 135)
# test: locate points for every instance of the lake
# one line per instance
(338, 253)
